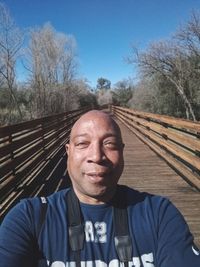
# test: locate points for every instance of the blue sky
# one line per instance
(105, 29)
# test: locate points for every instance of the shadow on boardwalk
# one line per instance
(145, 171)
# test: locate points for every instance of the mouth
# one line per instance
(96, 176)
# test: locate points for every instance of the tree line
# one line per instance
(50, 61)
(168, 74)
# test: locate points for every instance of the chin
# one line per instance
(103, 194)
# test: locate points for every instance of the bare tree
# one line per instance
(52, 64)
(168, 60)
(11, 40)
(178, 60)
(189, 35)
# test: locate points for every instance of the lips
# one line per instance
(96, 176)
(96, 173)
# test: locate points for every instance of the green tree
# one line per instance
(103, 83)
(122, 93)
(88, 100)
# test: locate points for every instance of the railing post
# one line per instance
(10, 140)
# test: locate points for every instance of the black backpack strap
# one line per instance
(122, 239)
(43, 212)
(76, 227)
(39, 256)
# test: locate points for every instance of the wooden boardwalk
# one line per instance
(145, 171)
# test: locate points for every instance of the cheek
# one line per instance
(75, 158)
(115, 158)
(74, 165)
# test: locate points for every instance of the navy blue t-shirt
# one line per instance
(160, 235)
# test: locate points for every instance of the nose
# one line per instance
(96, 153)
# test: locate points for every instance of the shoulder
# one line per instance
(53, 199)
(152, 206)
(135, 197)
(26, 213)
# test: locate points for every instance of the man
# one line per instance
(159, 235)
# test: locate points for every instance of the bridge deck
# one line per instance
(145, 171)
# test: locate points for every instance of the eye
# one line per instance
(111, 144)
(81, 144)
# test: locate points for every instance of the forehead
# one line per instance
(95, 124)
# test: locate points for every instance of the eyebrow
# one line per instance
(79, 135)
(105, 136)
(71, 138)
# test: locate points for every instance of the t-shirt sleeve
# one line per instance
(16, 237)
(175, 242)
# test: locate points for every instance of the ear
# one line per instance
(67, 148)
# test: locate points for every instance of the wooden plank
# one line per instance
(181, 138)
(28, 125)
(172, 148)
(8, 148)
(191, 177)
(146, 171)
(48, 144)
(176, 122)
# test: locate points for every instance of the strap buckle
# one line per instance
(76, 237)
(123, 245)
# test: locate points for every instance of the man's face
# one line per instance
(95, 157)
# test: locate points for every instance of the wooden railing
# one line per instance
(33, 158)
(177, 141)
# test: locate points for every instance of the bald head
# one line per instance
(100, 116)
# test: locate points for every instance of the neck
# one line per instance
(96, 200)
